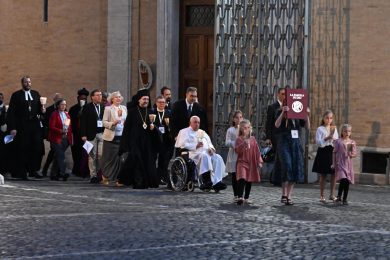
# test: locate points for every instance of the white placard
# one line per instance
(88, 146)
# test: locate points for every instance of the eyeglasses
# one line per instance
(161, 102)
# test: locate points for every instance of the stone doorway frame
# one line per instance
(168, 33)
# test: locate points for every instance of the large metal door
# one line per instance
(197, 51)
(259, 44)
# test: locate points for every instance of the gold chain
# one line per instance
(144, 125)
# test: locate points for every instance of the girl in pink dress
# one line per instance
(344, 151)
(248, 161)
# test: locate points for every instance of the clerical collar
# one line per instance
(27, 95)
(158, 110)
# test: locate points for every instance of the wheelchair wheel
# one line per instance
(190, 186)
(178, 174)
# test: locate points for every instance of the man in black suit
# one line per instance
(79, 155)
(272, 133)
(91, 130)
(49, 111)
(3, 129)
(165, 153)
(184, 109)
(24, 124)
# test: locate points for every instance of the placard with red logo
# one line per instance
(296, 100)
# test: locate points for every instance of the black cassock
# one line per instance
(24, 116)
(141, 145)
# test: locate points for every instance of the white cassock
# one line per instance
(188, 139)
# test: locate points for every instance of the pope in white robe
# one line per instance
(201, 150)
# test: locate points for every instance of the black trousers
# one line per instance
(59, 153)
(235, 184)
(29, 149)
(343, 189)
(244, 185)
(164, 156)
(49, 160)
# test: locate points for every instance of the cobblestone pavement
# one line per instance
(76, 220)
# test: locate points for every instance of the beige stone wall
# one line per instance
(369, 72)
(62, 55)
(143, 40)
(362, 48)
(365, 33)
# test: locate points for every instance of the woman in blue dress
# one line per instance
(290, 152)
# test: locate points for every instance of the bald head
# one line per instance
(57, 96)
(195, 123)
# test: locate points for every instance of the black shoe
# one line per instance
(24, 178)
(37, 176)
(206, 186)
(54, 178)
(219, 186)
(289, 202)
(65, 177)
(94, 180)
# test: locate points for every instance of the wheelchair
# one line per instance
(183, 174)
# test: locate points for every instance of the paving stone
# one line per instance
(76, 220)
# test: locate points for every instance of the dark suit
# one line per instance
(270, 130)
(23, 115)
(3, 161)
(272, 134)
(79, 155)
(165, 152)
(181, 119)
(89, 128)
(46, 119)
(88, 121)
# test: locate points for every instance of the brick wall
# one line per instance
(62, 55)
(369, 72)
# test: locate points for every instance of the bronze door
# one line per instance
(197, 51)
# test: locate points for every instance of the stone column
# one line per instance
(168, 32)
(119, 47)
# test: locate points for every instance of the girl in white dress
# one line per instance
(325, 136)
(231, 136)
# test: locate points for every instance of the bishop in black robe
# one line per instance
(141, 142)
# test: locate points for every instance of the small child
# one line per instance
(325, 136)
(248, 161)
(344, 151)
(231, 161)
